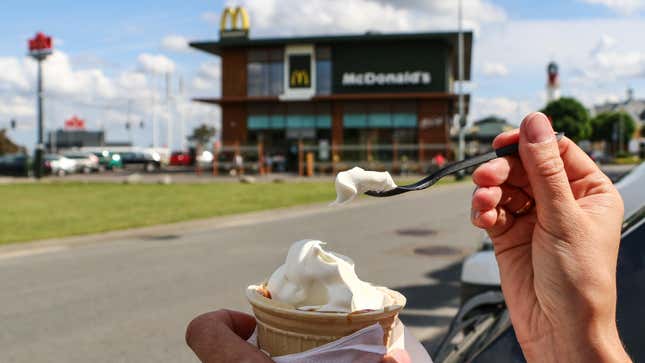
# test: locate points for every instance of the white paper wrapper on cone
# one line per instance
(282, 330)
(364, 346)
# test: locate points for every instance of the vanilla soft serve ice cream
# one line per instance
(313, 279)
(356, 181)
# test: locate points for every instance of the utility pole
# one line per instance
(169, 113)
(129, 123)
(182, 119)
(155, 132)
(40, 47)
(462, 117)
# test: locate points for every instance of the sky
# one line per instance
(111, 58)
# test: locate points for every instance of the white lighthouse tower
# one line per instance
(553, 82)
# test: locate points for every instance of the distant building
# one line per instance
(341, 90)
(636, 109)
(480, 135)
(67, 139)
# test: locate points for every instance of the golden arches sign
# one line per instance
(299, 77)
(234, 14)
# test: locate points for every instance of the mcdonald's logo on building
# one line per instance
(300, 71)
(299, 78)
(234, 22)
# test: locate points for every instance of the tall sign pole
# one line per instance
(460, 65)
(40, 47)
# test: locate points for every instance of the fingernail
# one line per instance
(538, 128)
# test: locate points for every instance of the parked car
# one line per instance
(108, 160)
(15, 165)
(60, 165)
(482, 331)
(143, 160)
(86, 162)
(180, 158)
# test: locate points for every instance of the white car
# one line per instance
(61, 165)
(86, 162)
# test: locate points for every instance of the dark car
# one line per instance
(15, 164)
(137, 159)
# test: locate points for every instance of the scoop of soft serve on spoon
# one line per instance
(356, 181)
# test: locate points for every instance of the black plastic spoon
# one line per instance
(451, 169)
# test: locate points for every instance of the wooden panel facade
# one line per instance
(234, 72)
(234, 124)
(434, 119)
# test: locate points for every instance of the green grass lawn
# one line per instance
(34, 211)
(37, 211)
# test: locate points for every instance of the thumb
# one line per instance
(544, 167)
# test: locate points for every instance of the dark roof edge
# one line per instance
(214, 47)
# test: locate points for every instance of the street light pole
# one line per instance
(460, 88)
(40, 147)
(40, 47)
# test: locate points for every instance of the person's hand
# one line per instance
(557, 260)
(220, 336)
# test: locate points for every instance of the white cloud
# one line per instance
(510, 109)
(342, 16)
(175, 43)
(12, 74)
(17, 107)
(203, 84)
(132, 80)
(156, 63)
(103, 100)
(493, 69)
(625, 7)
(210, 70)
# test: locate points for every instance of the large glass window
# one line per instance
(323, 70)
(289, 116)
(265, 72)
(380, 115)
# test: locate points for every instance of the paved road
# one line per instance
(129, 299)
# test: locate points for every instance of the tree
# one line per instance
(569, 116)
(608, 125)
(6, 145)
(202, 134)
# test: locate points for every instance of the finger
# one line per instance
(486, 198)
(544, 167)
(512, 198)
(577, 163)
(581, 170)
(397, 356)
(508, 170)
(503, 222)
(484, 219)
(506, 138)
(219, 337)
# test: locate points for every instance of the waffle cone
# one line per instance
(282, 330)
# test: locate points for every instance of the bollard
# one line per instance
(300, 158)
(310, 164)
(215, 159)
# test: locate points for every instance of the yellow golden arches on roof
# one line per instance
(233, 14)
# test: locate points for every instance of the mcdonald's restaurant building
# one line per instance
(340, 95)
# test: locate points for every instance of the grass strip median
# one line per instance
(49, 210)
(35, 211)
